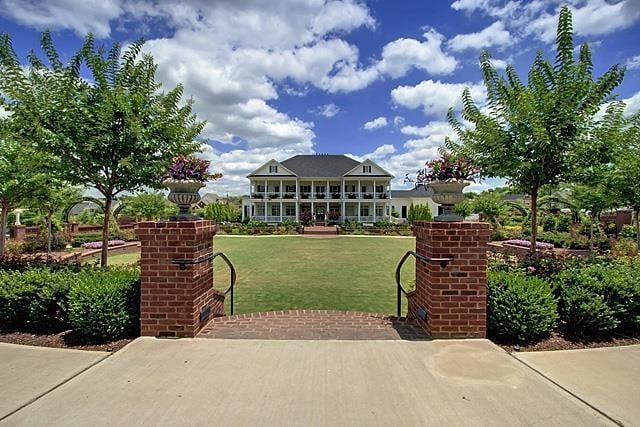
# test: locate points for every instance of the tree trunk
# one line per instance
(591, 232)
(105, 232)
(49, 233)
(638, 229)
(3, 228)
(534, 221)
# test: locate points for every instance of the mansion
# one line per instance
(331, 187)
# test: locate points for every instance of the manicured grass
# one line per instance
(292, 272)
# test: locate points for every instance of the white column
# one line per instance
(374, 211)
(343, 213)
(326, 214)
(358, 210)
(342, 191)
(281, 192)
(374, 191)
(359, 193)
(281, 209)
(266, 188)
(297, 188)
(313, 210)
(297, 210)
(326, 190)
(265, 212)
(313, 192)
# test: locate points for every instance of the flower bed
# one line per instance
(527, 244)
(98, 245)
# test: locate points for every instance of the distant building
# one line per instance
(322, 184)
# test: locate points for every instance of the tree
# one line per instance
(419, 213)
(21, 174)
(491, 206)
(533, 134)
(148, 206)
(220, 212)
(115, 131)
(624, 181)
(53, 197)
(593, 199)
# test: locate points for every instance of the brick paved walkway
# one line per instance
(313, 325)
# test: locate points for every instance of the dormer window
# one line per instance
(366, 169)
(273, 169)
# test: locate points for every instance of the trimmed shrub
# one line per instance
(520, 308)
(563, 223)
(104, 304)
(549, 223)
(628, 232)
(38, 243)
(15, 297)
(598, 299)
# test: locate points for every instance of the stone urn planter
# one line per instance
(184, 193)
(448, 194)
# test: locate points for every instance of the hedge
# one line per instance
(520, 308)
(599, 299)
(99, 304)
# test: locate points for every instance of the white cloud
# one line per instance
(400, 55)
(381, 152)
(633, 103)
(81, 17)
(327, 110)
(494, 35)
(398, 121)
(436, 97)
(633, 63)
(499, 64)
(374, 124)
(539, 18)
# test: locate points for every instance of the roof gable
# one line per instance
(264, 170)
(376, 170)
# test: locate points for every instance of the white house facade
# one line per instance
(401, 201)
(319, 184)
(327, 186)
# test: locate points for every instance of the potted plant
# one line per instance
(333, 217)
(185, 177)
(351, 195)
(447, 177)
(335, 196)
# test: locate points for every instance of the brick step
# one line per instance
(320, 230)
(313, 325)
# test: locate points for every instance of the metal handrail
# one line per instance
(400, 290)
(232, 279)
(210, 257)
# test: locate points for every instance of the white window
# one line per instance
(290, 188)
(290, 210)
(273, 169)
(260, 188)
(334, 188)
(275, 210)
(349, 188)
(366, 169)
(319, 188)
(379, 188)
(364, 210)
(363, 189)
(305, 189)
(379, 210)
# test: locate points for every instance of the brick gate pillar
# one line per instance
(450, 301)
(176, 301)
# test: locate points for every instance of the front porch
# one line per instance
(321, 212)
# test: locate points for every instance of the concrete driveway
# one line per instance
(607, 378)
(27, 372)
(256, 382)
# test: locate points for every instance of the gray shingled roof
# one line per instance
(320, 165)
(414, 192)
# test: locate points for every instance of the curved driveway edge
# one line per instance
(606, 378)
(29, 372)
(260, 382)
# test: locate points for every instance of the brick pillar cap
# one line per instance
(447, 225)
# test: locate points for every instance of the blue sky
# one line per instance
(370, 79)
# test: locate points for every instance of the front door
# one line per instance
(320, 214)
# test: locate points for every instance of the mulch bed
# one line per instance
(557, 341)
(65, 339)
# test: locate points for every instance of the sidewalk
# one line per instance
(29, 372)
(607, 378)
(258, 382)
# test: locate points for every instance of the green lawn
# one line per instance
(280, 273)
